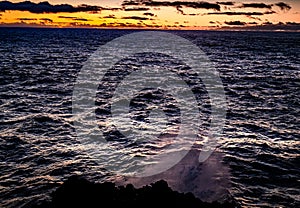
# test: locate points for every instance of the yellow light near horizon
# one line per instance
(165, 17)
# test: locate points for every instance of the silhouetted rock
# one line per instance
(79, 192)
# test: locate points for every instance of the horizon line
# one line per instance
(233, 29)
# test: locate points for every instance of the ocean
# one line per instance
(257, 156)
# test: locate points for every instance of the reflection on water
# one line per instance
(259, 147)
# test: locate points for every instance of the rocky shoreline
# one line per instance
(79, 192)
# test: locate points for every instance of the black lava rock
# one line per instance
(79, 192)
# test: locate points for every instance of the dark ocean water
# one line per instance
(39, 148)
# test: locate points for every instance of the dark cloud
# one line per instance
(111, 8)
(255, 18)
(131, 3)
(283, 6)
(80, 24)
(136, 9)
(22, 24)
(236, 13)
(241, 13)
(27, 19)
(271, 27)
(179, 9)
(176, 4)
(66, 17)
(227, 3)
(269, 12)
(74, 18)
(81, 19)
(267, 23)
(256, 5)
(110, 17)
(235, 23)
(136, 18)
(46, 7)
(148, 14)
(46, 19)
(293, 23)
(195, 5)
(266, 26)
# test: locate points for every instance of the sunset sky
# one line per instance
(162, 14)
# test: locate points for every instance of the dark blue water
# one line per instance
(39, 148)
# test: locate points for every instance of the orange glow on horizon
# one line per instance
(163, 17)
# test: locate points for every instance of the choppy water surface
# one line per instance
(40, 149)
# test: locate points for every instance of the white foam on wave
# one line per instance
(208, 181)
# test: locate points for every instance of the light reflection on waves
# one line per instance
(140, 113)
(39, 148)
(143, 104)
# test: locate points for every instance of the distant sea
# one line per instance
(39, 148)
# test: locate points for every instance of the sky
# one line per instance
(159, 14)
